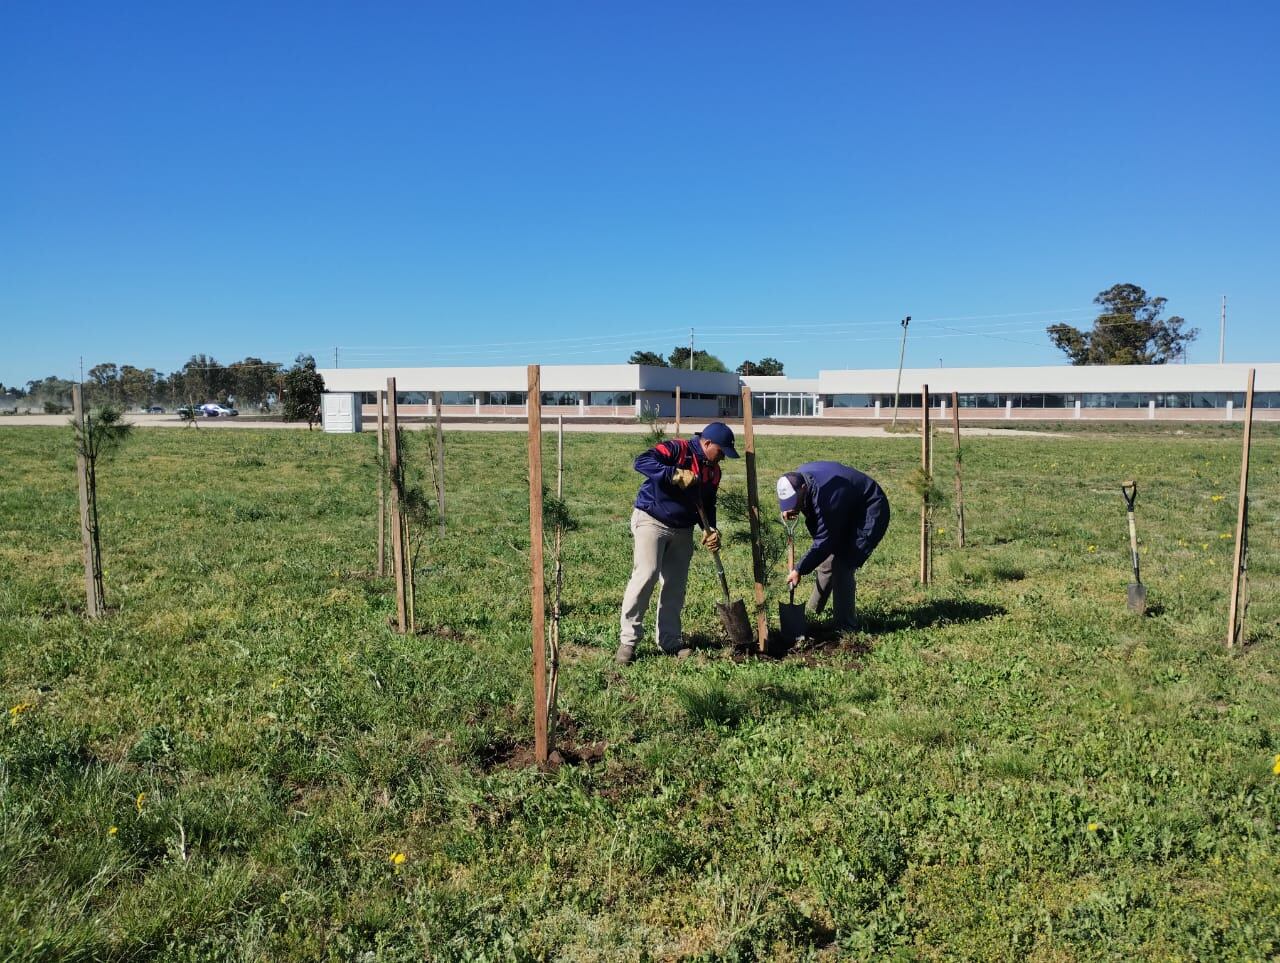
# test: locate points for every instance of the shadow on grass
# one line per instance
(930, 614)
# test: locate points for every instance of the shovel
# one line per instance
(791, 617)
(733, 615)
(1137, 591)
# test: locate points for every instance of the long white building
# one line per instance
(1169, 392)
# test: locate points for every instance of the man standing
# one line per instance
(847, 513)
(678, 476)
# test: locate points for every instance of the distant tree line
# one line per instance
(248, 383)
(703, 361)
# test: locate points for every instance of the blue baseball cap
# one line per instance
(790, 488)
(722, 435)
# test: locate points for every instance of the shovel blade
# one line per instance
(1137, 598)
(794, 622)
(734, 619)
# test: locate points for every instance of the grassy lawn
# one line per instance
(1006, 765)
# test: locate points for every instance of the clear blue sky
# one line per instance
(789, 179)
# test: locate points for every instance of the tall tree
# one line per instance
(1129, 330)
(303, 386)
(103, 383)
(137, 385)
(702, 361)
(765, 366)
(252, 380)
(651, 358)
(204, 379)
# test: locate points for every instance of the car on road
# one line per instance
(155, 410)
(218, 411)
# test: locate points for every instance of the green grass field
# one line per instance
(1004, 766)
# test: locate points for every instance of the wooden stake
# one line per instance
(753, 513)
(955, 423)
(1235, 627)
(397, 510)
(537, 586)
(382, 491)
(438, 400)
(92, 598)
(677, 411)
(925, 561)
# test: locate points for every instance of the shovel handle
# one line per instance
(791, 562)
(1130, 491)
(706, 527)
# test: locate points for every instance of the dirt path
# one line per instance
(762, 428)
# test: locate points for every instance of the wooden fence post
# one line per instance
(397, 510)
(926, 565)
(955, 422)
(382, 489)
(753, 513)
(92, 594)
(537, 577)
(438, 399)
(1235, 629)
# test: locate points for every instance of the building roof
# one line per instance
(556, 377)
(1053, 379)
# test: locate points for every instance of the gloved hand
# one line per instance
(711, 540)
(684, 478)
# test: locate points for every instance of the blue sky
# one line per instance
(565, 182)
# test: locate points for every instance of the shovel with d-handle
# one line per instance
(733, 615)
(791, 617)
(1137, 591)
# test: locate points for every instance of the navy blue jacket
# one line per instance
(845, 511)
(659, 497)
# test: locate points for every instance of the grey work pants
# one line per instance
(834, 577)
(661, 555)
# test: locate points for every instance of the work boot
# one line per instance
(626, 654)
(681, 653)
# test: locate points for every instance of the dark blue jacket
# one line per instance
(660, 498)
(845, 511)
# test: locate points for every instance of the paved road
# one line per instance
(817, 428)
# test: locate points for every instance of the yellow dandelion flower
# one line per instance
(1093, 548)
(1204, 546)
(1225, 535)
(398, 858)
(18, 710)
(137, 803)
(1275, 768)
(1093, 827)
(1217, 498)
(112, 831)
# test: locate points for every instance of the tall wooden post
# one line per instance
(677, 411)
(955, 423)
(753, 513)
(438, 402)
(537, 584)
(397, 510)
(1235, 628)
(925, 561)
(92, 586)
(382, 490)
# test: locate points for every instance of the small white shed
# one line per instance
(340, 411)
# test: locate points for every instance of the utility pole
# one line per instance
(691, 349)
(902, 353)
(335, 357)
(1222, 333)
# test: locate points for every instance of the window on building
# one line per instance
(505, 397)
(560, 398)
(616, 398)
